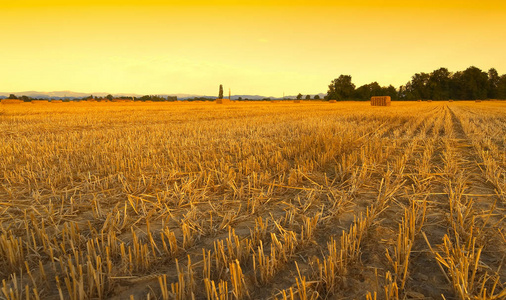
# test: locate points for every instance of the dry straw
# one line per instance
(381, 101)
(223, 101)
(196, 203)
(11, 101)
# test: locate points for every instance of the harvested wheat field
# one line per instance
(253, 201)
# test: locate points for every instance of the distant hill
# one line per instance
(54, 94)
(75, 95)
(259, 97)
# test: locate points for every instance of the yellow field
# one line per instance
(253, 200)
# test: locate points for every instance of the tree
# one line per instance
(240, 98)
(470, 84)
(366, 91)
(220, 95)
(457, 86)
(316, 97)
(438, 84)
(389, 91)
(12, 96)
(341, 88)
(493, 82)
(417, 87)
(501, 87)
(474, 84)
(308, 97)
(401, 94)
(362, 92)
(299, 96)
(109, 97)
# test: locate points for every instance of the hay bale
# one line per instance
(450, 100)
(419, 100)
(477, 101)
(11, 101)
(332, 101)
(40, 101)
(429, 100)
(381, 101)
(222, 101)
(56, 101)
(274, 101)
(297, 101)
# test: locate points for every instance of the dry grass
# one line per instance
(223, 101)
(252, 201)
(11, 101)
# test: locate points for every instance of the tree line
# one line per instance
(308, 97)
(440, 84)
(91, 97)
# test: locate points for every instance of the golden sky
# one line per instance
(252, 47)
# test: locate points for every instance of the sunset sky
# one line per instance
(252, 47)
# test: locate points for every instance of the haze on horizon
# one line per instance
(252, 47)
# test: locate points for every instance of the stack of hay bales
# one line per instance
(381, 101)
(222, 101)
(332, 101)
(429, 100)
(419, 100)
(39, 101)
(450, 100)
(56, 101)
(297, 101)
(11, 101)
(274, 101)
